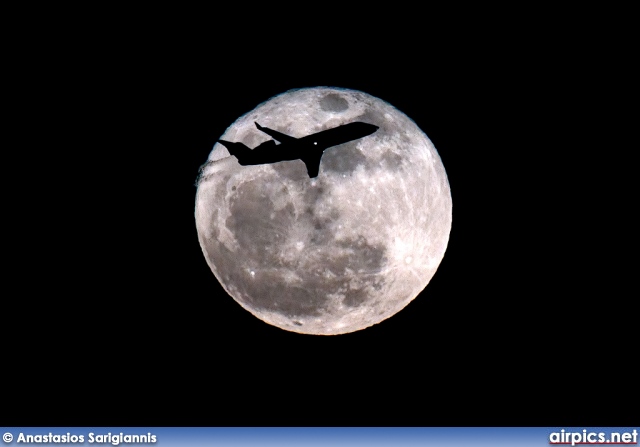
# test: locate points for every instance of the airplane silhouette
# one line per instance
(309, 149)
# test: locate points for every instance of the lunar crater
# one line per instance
(334, 103)
(342, 159)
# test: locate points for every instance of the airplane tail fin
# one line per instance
(238, 150)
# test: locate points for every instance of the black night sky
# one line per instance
(135, 329)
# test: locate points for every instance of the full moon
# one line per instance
(339, 252)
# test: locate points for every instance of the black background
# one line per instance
(524, 322)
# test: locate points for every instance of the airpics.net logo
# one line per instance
(593, 437)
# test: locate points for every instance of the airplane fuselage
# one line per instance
(309, 149)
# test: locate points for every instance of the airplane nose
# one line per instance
(370, 128)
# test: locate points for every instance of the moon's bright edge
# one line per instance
(333, 254)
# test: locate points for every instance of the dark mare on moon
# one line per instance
(309, 149)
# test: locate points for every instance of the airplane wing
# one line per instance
(313, 164)
(282, 138)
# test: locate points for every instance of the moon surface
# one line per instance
(337, 253)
